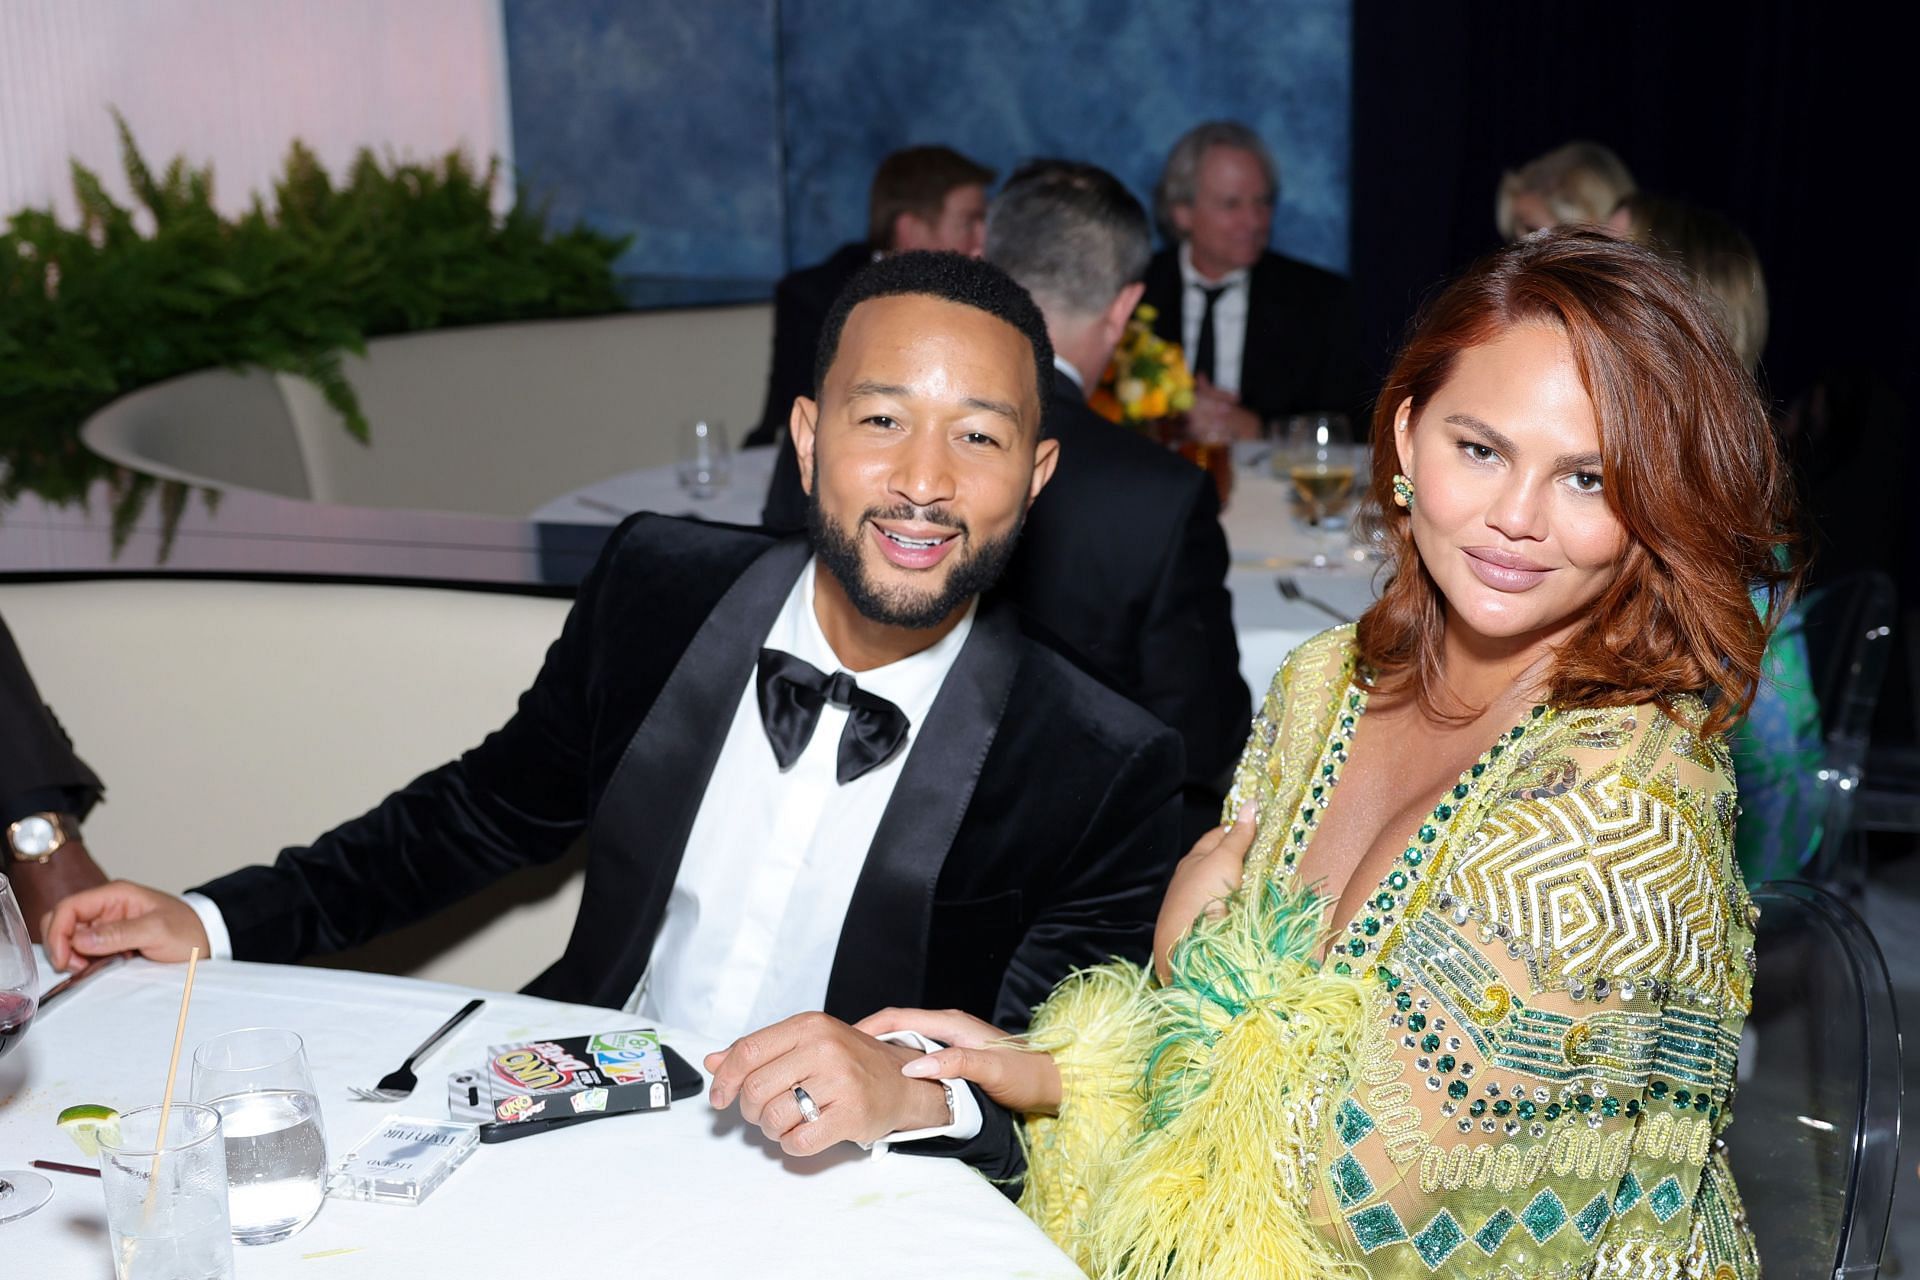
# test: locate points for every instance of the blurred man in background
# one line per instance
(921, 198)
(1265, 335)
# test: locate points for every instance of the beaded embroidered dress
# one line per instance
(1513, 1062)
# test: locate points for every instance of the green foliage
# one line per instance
(90, 312)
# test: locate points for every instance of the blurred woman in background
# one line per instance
(1579, 182)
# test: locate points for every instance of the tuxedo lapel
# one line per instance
(882, 955)
(640, 830)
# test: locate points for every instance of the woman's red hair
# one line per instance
(1691, 465)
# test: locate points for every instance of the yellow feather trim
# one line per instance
(1098, 1027)
(1195, 1113)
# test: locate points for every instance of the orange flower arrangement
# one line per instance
(1147, 378)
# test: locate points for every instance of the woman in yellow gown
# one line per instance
(1458, 987)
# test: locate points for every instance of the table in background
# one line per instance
(687, 1191)
(1262, 536)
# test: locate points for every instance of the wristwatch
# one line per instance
(38, 836)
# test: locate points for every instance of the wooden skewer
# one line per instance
(166, 1097)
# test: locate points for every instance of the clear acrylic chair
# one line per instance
(1815, 1138)
(1803, 751)
(1848, 627)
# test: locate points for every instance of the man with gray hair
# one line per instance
(1124, 557)
(1122, 564)
(1265, 335)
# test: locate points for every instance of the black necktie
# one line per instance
(793, 691)
(1203, 355)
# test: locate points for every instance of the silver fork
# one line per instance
(397, 1084)
(1290, 590)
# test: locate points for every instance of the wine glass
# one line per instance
(21, 1192)
(1321, 460)
(705, 463)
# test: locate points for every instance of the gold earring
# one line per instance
(1402, 491)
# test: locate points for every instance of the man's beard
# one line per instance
(973, 572)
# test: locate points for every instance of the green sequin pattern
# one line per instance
(1563, 955)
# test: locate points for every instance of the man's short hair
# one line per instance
(1182, 174)
(1070, 233)
(917, 181)
(954, 277)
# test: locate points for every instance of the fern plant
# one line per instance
(92, 311)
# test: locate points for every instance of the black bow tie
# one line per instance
(791, 695)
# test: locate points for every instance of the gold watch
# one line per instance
(38, 836)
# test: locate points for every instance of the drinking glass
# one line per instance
(167, 1201)
(276, 1153)
(1321, 460)
(705, 459)
(21, 1192)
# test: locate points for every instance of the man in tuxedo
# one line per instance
(954, 816)
(1123, 562)
(1265, 335)
(45, 791)
(921, 198)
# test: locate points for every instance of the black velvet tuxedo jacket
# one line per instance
(38, 767)
(1031, 831)
(800, 304)
(1123, 565)
(1302, 344)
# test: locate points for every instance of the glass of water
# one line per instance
(167, 1200)
(276, 1153)
(706, 460)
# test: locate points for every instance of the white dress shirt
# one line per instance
(1065, 366)
(1229, 319)
(754, 918)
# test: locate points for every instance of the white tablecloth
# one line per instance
(1262, 534)
(686, 1192)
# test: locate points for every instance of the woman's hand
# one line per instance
(1021, 1080)
(1204, 878)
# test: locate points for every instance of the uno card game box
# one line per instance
(608, 1072)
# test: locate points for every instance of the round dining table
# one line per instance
(1266, 538)
(687, 1191)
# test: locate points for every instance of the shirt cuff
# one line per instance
(966, 1119)
(219, 941)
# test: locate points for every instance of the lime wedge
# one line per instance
(87, 1123)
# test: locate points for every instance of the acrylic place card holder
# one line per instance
(402, 1160)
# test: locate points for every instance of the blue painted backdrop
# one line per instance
(736, 139)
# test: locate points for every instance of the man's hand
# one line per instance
(1218, 416)
(39, 885)
(854, 1079)
(121, 916)
(1209, 873)
(1020, 1079)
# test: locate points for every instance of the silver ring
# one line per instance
(809, 1109)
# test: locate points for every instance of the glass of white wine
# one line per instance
(1322, 462)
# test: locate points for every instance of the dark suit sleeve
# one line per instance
(995, 1152)
(1190, 660)
(520, 797)
(38, 766)
(1107, 894)
(796, 331)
